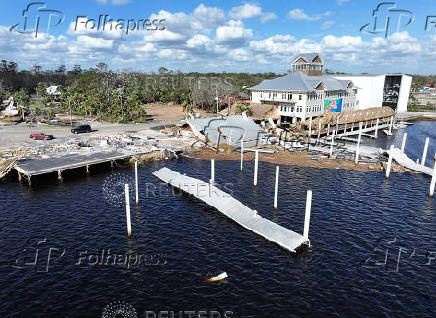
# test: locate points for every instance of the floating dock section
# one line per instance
(233, 209)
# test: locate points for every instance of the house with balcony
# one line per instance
(306, 91)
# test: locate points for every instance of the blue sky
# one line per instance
(227, 36)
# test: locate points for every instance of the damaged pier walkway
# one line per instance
(33, 167)
(233, 209)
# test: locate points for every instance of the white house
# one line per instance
(381, 90)
(306, 92)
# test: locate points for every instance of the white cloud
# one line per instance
(248, 11)
(299, 14)
(268, 16)
(245, 11)
(233, 32)
(327, 24)
(341, 2)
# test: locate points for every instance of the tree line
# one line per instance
(100, 92)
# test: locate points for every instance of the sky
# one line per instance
(221, 36)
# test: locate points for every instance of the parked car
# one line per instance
(41, 136)
(81, 129)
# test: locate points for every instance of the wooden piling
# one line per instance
(310, 133)
(358, 143)
(242, 152)
(403, 144)
(376, 128)
(319, 129)
(87, 169)
(331, 144)
(276, 188)
(60, 175)
(19, 176)
(388, 168)
(256, 164)
(136, 182)
(129, 225)
(307, 215)
(212, 171)
(391, 125)
(424, 154)
(433, 179)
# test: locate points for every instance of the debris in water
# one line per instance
(216, 278)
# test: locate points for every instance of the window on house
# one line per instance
(300, 97)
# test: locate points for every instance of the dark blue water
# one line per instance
(360, 223)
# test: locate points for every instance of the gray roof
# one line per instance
(301, 82)
(234, 127)
(309, 57)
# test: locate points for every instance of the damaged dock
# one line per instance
(34, 167)
(235, 210)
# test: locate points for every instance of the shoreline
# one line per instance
(301, 159)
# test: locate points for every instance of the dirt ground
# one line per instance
(299, 158)
(169, 114)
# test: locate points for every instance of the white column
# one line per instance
(331, 144)
(358, 143)
(307, 215)
(242, 152)
(319, 128)
(328, 129)
(388, 168)
(376, 128)
(433, 179)
(310, 129)
(276, 189)
(255, 167)
(424, 154)
(212, 171)
(129, 226)
(136, 182)
(403, 144)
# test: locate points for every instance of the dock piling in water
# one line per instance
(276, 188)
(136, 182)
(129, 225)
(424, 154)
(242, 152)
(212, 171)
(403, 144)
(256, 164)
(307, 215)
(433, 178)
